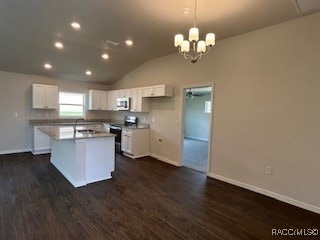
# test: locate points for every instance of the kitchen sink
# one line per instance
(88, 131)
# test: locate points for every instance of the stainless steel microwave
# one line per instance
(123, 103)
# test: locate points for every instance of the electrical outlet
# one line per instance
(269, 170)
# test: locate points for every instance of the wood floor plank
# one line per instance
(145, 199)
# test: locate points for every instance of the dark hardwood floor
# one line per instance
(146, 199)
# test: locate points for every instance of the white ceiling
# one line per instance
(29, 28)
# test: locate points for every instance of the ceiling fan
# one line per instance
(191, 95)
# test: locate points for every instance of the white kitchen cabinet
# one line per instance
(112, 100)
(157, 91)
(135, 142)
(124, 93)
(97, 100)
(138, 103)
(44, 96)
(41, 142)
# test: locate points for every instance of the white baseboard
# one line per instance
(38, 152)
(15, 151)
(98, 179)
(166, 160)
(267, 193)
(137, 156)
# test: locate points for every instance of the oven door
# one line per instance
(117, 132)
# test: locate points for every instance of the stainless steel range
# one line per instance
(117, 129)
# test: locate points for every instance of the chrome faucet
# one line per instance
(75, 123)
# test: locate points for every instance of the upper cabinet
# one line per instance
(97, 100)
(157, 91)
(112, 100)
(139, 97)
(44, 96)
(124, 93)
(138, 103)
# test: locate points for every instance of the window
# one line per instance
(71, 104)
(207, 107)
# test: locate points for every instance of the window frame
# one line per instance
(71, 104)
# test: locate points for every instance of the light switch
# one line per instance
(15, 114)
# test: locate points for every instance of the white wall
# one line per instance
(266, 109)
(15, 96)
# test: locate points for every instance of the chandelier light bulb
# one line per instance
(210, 39)
(201, 47)
(185, 46)
(193, 34)
(178, 39)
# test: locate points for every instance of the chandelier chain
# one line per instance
(195, 13)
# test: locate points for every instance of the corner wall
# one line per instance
(266, 108)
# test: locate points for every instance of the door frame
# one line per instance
(182, 121)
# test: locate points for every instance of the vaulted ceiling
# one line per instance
(29, 29)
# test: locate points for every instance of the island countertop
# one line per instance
(67, 133)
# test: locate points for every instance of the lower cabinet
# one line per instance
(41, 142)
(135, 142)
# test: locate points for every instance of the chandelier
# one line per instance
(198, 48)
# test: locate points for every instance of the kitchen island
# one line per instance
(83, 156)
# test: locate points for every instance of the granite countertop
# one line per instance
(60, 122)
(142, 126)
(67, 133)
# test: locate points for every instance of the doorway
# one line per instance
(196, 127)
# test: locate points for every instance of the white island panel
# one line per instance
(84, 161)
(100, 159)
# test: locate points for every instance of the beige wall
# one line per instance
(15, 96)
(266, 106)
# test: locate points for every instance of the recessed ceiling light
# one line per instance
(75, 25)
(185, 11)
(48, 66)
(88, 72)
(58, 45)
(105, 56)
(129, 42)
